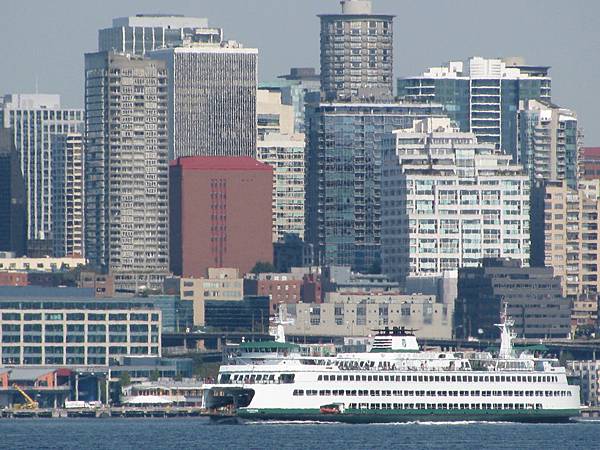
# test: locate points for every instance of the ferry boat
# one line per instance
(394, 381)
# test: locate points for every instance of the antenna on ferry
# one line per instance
(506, 334)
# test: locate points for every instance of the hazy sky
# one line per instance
(47, 39)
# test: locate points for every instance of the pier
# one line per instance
(115, 411)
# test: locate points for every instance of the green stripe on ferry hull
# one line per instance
(424, 415)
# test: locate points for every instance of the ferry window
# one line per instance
(345, 377)
(502, 378)
(320, 378)
(437, 378)
(380, 377)
(351, 377)
(322, 392)
(339, 378)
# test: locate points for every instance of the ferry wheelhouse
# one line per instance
(394, 381)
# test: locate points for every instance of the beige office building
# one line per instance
(351, 314)
(221, 284)
(565, 234)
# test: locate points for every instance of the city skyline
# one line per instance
(448, 36)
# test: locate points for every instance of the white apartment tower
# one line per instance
(449, 201)
(127, 168)
(285, 154)
(36, 119)
(68, 194)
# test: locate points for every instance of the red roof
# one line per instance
(220, 163)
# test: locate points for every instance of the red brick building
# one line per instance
(13, 279)
(220, 214)
(280, 287)
(589, 163)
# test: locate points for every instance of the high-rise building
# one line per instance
(343, 182)
(589, 163)
(212, 98)
(220, 213)
(146, 32)
(13, 202)
(285, 154)
(356, 53)
(448, 201)
(35, 119)
(549, 141)
(482, 95)
(126, 168)
(67, 194)
(564, 234)
(296, 89)
(532, 297)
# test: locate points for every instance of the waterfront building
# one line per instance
(297, 88)
(13, 200)
(126, 168)
(586, 374)
(448, 201)
(344, 148)
(250, 314)
(285, 154)
(532, 297)
(35, 119)
(564, 234)
(549, 141)
(143, 33)
(216, 284)
(212, 98)
(281, 288)
(482, 95)
(589, 163)
(221, 214)
(358, 314)
(67, 195)
(356, 53)
(165, 391)
(343, 279)
(69, 326)
(10, 262)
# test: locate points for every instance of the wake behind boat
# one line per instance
(394, 381)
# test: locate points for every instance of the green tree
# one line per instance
(124, 379)
(263, 267)
(154, 375)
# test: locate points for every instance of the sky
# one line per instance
(45, 40)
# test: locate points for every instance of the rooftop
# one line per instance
(219, 163)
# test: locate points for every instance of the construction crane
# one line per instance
(30, 403)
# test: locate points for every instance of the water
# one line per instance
(192, 433)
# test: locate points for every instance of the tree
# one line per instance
(154, 375)
(263, 267)
(124, 379)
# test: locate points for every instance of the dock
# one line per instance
(116, 411)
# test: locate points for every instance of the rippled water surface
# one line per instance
(179, 433)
